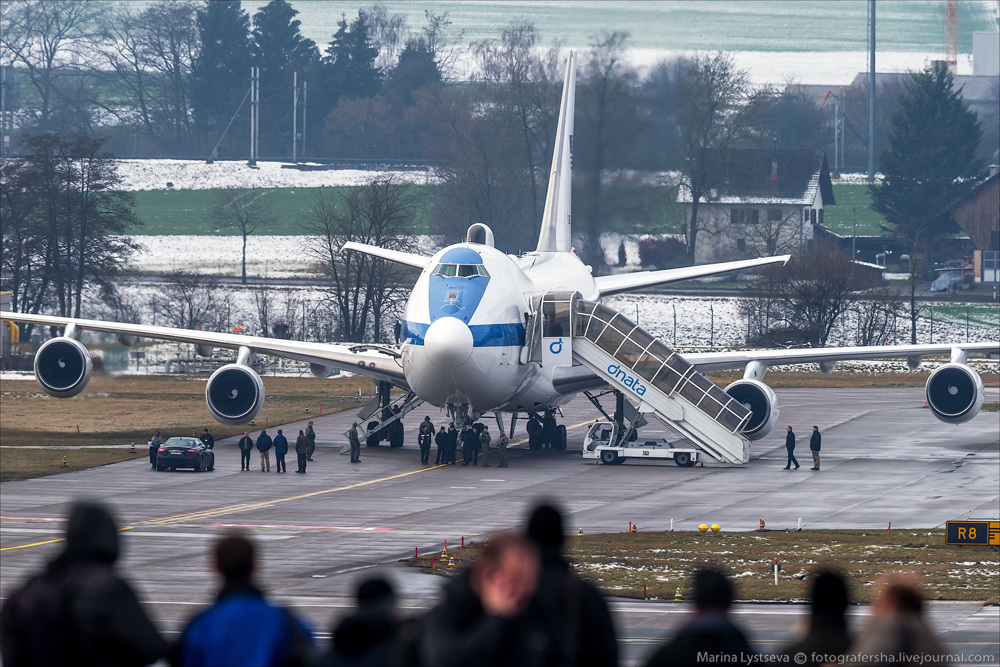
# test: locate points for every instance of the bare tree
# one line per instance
(190, 300)
(386, 32)
(876, 316)
(246, 210)
(775, 230)
(362, 288)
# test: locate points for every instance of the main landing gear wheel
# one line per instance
(396, 434)
(609, 457)
(560, 442)
(683, 459)
(373, 439)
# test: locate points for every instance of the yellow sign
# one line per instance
(973, 532)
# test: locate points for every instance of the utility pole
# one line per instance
(871, 91)
(254, 113)
(854, 235)
(295, 114)
(305, 107)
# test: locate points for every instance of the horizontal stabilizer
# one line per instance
(627, 282)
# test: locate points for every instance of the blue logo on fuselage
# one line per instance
(630, 381)
(556, 347)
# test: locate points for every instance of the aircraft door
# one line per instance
(557, 329)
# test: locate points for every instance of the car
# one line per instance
(185, 453)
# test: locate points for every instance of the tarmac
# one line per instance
(885, 459)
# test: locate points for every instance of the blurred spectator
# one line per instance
(570, 614)
(896, 632)
(827, 636)
(242, 627)
(711, 636)
(370, 636)
(79, 611)
(481, 620)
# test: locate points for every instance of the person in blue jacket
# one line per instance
(280, 449)
(242, 627)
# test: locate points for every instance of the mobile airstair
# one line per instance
(647, 372)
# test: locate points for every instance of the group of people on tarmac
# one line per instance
(519, 604)
(305, 445)
(476, 441)
(815, 442)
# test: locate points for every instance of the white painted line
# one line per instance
(492, 480)
(463, 487)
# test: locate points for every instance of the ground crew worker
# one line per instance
(814, 444)
(441, 440)
(484, 442)
(311, 437)
(424, 440)
(264, 447)
(207, 438)
(452, 443)
(246, 446)
(280, 449)
(426, 423)
(154, 447)
(352, 437)
(502, 449)
(534, 428)
(302, 451)
(790, 447)
(468, 436)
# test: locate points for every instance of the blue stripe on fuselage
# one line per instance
(483, 335)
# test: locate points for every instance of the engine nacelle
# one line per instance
(760, 400)
(235, 394)
(63, 367)
(954, 393)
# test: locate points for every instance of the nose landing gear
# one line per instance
(544, 433)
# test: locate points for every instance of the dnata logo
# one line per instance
(633, 383)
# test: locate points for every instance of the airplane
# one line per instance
(484, 332)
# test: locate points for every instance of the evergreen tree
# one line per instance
(350, 63)
(220, 74)
(929, 162)
(280, 50)
(415, 69)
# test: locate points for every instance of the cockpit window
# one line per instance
(461, 270)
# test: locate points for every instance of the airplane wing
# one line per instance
(408, 258)
(364, 360)
(723, 361)
(627, 282)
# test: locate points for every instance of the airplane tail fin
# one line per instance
(555, 233)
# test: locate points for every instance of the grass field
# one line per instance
(622, 563)
(980, 314)
(838, 218)
(119, 410)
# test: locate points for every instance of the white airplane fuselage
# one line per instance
(463, 334)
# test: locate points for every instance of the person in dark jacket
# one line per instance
(302, 451)
(154, 448)
(242, 627)
(790, 448)
(208, 439)
(827, 633)
(452, 443)
(814, 445)
(355, 441)
(484, 444)
(246, 446)
(311, 437)
(569, 614)
(264, 447)
(79, 611)
(470, 447)
(280, 449)
(441, 442)
(711, 636)
(370, 636)
(481, 620)
(424, 440)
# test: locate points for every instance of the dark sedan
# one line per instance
(185, 453)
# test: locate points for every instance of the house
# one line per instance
(766, 202)
(978, 214)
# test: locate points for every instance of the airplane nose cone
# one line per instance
(448, 342)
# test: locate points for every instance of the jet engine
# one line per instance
(760, 400)
(63, 366)
(954, 393)
(235, 394)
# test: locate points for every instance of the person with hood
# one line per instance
(827, 634)
(242, 627)
(452, 443)
(79, 611)
(370, 636)
(280, 450)
(246, 446)
(441, 440)
(586, 635)
(711, 636)
(311, 437)
(302, 451)
(426, 423)
(264, 447)
(424, 441)
(154, 447)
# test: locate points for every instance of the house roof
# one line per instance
(769, 177)
(974, 88)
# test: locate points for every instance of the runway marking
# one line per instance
(40, 519)
(353, 529)
(492, 480)
(59, 539)
(462, 487)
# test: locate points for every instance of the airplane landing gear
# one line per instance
(544, 433)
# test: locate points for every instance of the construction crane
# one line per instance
(951, 35)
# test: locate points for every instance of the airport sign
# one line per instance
(973, 532)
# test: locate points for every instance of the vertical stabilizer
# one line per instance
(555, 233)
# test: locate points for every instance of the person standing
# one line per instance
(484, 442)
(790, 448)
(424, 440)
(280, 449)
(154, 447)
(352, 437)
(468, 438)
(827, 633)
(302, 451)
(452, 443)
(502, 449)
(441, 441)
(246, 446)
(426, 423)
(264, 447)
(397, 329)
(814, 444)
(208, 439)
(311, 437)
